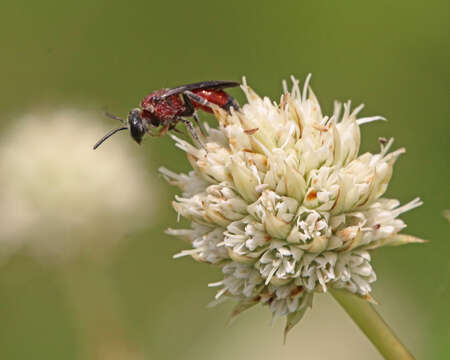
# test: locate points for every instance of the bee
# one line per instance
(165, 108)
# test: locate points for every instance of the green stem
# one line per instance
(371, 323)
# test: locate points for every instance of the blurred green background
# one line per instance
(97, 55)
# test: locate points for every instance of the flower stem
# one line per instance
(371, 323)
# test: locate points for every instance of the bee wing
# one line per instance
(213, 84)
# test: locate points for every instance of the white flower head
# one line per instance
(58, 197)
(281, 199)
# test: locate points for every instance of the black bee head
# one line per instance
(136, 125)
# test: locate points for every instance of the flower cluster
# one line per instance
(279, 198)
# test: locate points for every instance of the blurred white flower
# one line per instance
(446, 214)
(280, 198)
(59, 197)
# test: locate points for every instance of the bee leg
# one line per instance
(199, 99)
(192, 131)
(178, 131)
(191, 112)
(232, 103)
(197, 121)
(164, 130)
(149, 132)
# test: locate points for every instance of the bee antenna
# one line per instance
(112, 116)
(108, 135)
